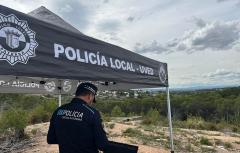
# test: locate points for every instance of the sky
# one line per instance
(200, 40)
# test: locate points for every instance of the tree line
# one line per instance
(214, 106)
(211, 105)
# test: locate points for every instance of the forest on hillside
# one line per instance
(215, 109)
(211, 105)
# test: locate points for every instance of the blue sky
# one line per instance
(200, 40)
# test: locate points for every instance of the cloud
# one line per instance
(153, 47)
(237, 1)
(222, 0)
(109, 25)
(66, 9)
(109, 29)
(130, 19)
(214, 36)
(223, 74)
(199, 22)
(228, 1)
(105, 1)
(215, 78)
(75, 12)
(111, 36)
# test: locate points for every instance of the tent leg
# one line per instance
(170, 120)
(60, 93)
(59, 100)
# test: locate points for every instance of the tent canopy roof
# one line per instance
(41, 45)
(46, 15)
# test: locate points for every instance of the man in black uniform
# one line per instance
(76, 127)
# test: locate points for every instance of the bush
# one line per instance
(14, 120)
(34, 131)
(39, 115)
(132, 132)
(131, 114)
(210, 126)
(50, 106)
(227, 145)
(152, 117)
(205, 141)
(117, 112)
(111, 126)
(146, 121)
(43, 112)
(105, 117)
(194, 122)
(235, 128)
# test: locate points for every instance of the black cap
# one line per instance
(86, 86)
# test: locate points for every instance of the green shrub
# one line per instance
(111, 126)
(132, 132)
(131, 114)
(50, 106)
(147, 121)
(34, 131)
(210, 126)
(117, 112)
(194, 122)
(227, 145)
(14, 120)
(152, 117)
(205, 141)
(105, 117)
(43, 112)
(39, 114)
(235, 128)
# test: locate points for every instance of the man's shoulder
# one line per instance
(64, 106)
(91, 109)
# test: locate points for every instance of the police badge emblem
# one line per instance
(67, 85)
(50, 86)
(162, 74)
(17, 40)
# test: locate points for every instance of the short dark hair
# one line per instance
(83, 93)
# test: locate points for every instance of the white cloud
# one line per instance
(153, 47)
(66, 9)
(199, 22)
(237, 2)
(215, 36)
(219, 77)
(223, 74)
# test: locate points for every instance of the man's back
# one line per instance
(77, 128)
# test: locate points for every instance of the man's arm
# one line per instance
(99, 133)
(51, 136)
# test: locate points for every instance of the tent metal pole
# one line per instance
(170, 120)
(60, 93)
(59, 100)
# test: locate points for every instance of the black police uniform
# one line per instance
(77, 128)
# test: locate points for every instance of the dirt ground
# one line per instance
(185, 140)
(40, 145)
